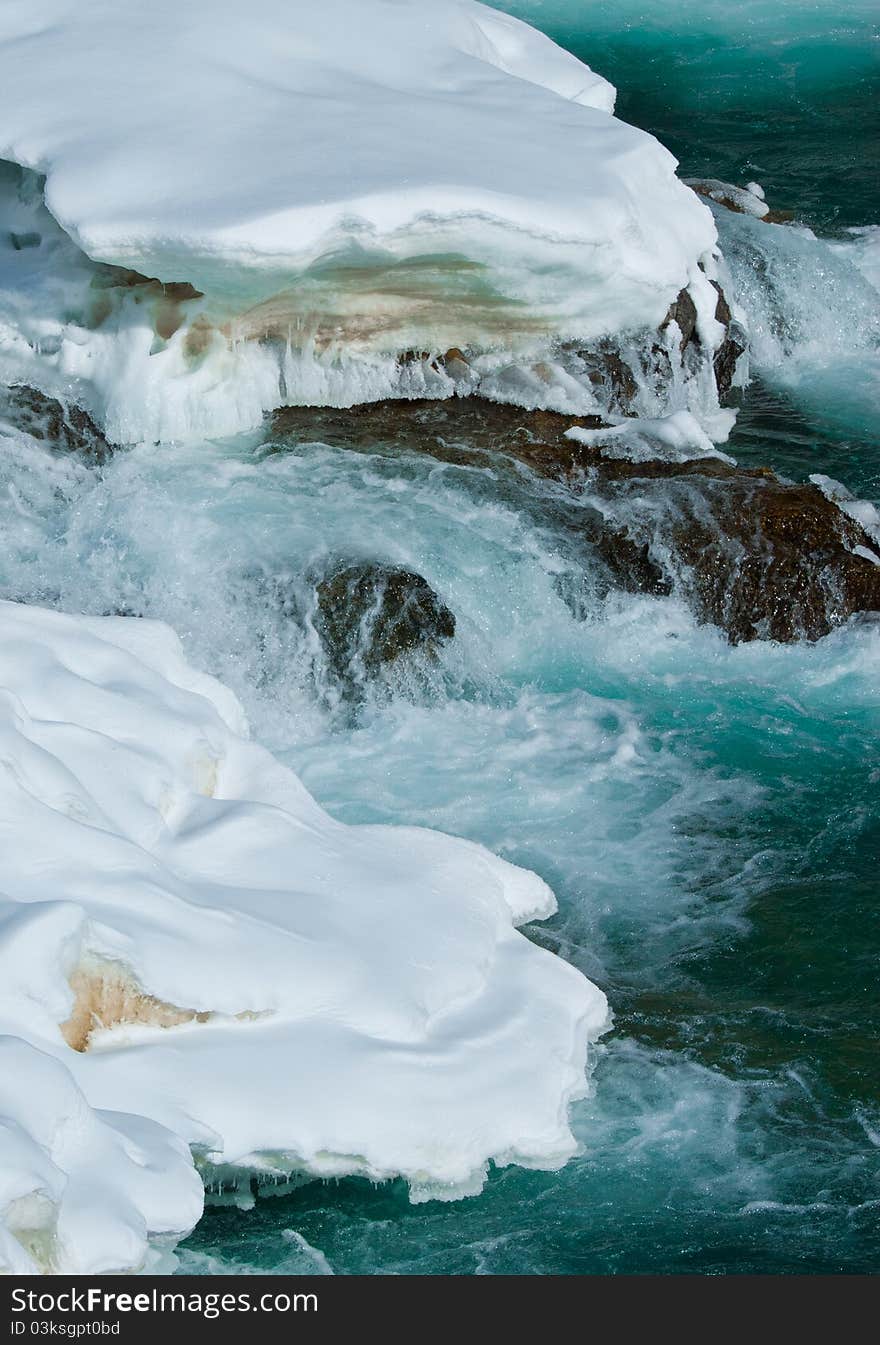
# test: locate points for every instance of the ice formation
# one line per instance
(193, 955)
(324, 187)
(673, 438)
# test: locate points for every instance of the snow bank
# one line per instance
(359, 176)
(82, 1191)
(247, 977)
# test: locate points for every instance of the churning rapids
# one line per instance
(433, 622)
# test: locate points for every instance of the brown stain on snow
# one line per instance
(106, 997)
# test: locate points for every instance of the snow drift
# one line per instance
(193, 954)
(345, 182)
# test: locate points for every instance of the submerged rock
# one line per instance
(64, 426)
(369, 615)
(366, 616)
(758, 556)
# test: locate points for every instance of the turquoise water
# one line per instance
(784, 91)
(707, 816)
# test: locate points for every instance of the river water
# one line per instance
(707, 815)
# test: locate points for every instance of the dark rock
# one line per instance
(29, 239)
(778, 217)
(370, 615)
(756, 555)
(722, 307)
(414, 357)
(759, 557)
(724, 364)
(68, 427)
(731, 347)
(463, 431)
(683, 311)
(606, 368)
(630, 562)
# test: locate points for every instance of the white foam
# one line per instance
(862, 248)
(813, 317)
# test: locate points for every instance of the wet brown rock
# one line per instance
(413, 357)
(683, 311)
(741, 200)
(722, 307)
(758, 556)
(779, 217)
(731, 347)
(606, 368)
(64, 426)
(724, 364)
(369, 615)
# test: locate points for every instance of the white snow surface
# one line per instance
(82, 1191)
(370, 1006)
(390, 170)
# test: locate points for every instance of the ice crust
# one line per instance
(348, 180)
(365, 1002)
(673, 438)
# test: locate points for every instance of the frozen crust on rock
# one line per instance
(241, 974)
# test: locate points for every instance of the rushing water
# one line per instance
(706, 815)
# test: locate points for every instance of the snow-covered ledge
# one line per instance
(331, 185)
(195, 956)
